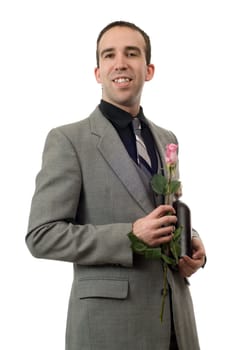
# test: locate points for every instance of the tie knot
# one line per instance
(136, 124)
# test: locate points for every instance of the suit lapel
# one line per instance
(115, 154)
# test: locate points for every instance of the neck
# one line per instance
(133, 110)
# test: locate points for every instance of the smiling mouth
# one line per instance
(122, 80)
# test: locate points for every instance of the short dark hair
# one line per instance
(128, 25)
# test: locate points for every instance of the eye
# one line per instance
(131, 54)
(108, 55)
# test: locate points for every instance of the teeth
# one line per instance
(122, 80)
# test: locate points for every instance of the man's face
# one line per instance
(122, 68)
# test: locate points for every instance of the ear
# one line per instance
(150, 70)
(97, 75)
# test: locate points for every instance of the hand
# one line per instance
(188, 266)
(157, 227)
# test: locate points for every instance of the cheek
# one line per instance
(143, 75)
(102, 75)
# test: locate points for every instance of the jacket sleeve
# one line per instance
(52, 230)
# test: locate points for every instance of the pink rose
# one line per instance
(171, 154)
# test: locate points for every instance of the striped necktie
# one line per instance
(143, 158)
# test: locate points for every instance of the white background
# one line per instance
(47, 62)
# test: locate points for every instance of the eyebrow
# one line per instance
(127, 48)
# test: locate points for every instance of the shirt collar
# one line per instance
(119, 117)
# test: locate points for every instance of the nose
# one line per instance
(120, 63)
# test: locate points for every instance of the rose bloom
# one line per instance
(171, 154)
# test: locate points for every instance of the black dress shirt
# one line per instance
(122, 122)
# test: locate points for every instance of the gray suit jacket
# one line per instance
(87, 195)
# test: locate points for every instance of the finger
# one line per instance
(161, 240)
(161, 211)
(165, 231)
(198, 255)
(166, 222)
(192, 264)
(185, 269)
(162, 235)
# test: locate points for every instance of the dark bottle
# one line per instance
(183, 214)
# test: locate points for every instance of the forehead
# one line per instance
(121, 37)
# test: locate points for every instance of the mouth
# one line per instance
(122, 80)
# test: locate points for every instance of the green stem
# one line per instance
(164, 291)
(169, 179)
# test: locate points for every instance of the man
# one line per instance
(91, 192)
